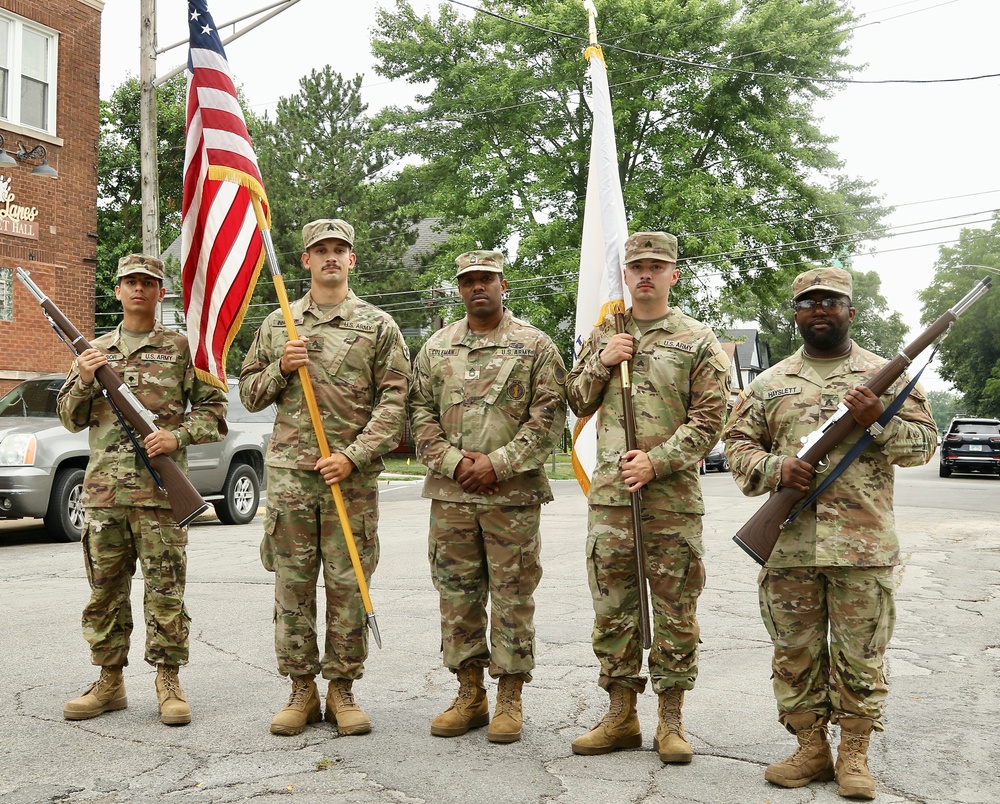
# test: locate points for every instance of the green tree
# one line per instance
(945, 406)
(731, 159)
(321, 157)
(119, 182)
(874, 327)
(970, 355)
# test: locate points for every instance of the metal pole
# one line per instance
(147, 130)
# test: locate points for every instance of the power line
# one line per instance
(720, 67)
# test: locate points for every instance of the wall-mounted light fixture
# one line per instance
(5, 158)
(38, 152)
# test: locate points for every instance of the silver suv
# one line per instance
(42, 463)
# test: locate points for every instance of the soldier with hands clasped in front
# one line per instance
(487, 406)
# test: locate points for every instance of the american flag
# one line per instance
(222, 248)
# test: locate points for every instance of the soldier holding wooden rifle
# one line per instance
(128, 518)
(826, 592)
(679, 391)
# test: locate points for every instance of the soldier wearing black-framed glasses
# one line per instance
(830, 304)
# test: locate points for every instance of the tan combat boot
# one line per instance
(669, 740)
(618, 729)
(812, 760)
(303, 708)
(853, 776)
(508, 718)
(107, 694)
(469, 710)
(174, 709)
(342, 710)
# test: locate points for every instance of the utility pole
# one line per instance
(148, 136)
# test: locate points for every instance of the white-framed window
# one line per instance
(28, 67)
(6, 294)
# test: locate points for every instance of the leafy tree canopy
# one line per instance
(970, 355)
(321, 157)
(945, 406)
(119, 182)
(730, 159)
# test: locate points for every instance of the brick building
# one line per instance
(49, 97)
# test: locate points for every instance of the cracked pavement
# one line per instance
(940, 743)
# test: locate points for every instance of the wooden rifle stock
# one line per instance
(635, 500)
(185, 501)
(759, 535)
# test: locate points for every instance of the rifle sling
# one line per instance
(862, 443)
(139, 449)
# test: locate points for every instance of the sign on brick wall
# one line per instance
(16, 219)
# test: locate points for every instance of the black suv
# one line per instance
(971, 445)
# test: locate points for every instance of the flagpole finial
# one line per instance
(591, 10)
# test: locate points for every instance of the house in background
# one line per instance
(749, 354)
(735, 375)
(172, 306)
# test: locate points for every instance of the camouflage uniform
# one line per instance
(128, 517)
(502, 395)
(360, 369)
(680, 381)
(826, 594)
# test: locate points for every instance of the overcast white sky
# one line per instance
(931, 148)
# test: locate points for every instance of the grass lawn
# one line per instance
(397, 464)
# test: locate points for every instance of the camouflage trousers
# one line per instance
(302, 533)
(477, 551)
(830, 627)
(114, 540)
(676, 578)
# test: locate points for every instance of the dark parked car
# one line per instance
(716, 459)
(42, 463)
(971, 445)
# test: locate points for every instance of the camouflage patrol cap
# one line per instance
(140, 264)
(326, 229)
(834, 280)
(491, 261)
(651, 246)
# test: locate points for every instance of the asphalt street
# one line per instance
(940, 744)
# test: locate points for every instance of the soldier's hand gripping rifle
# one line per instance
(759, 535)
(185, 501)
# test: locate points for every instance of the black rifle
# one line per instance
(759, 535)
(185, 501)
